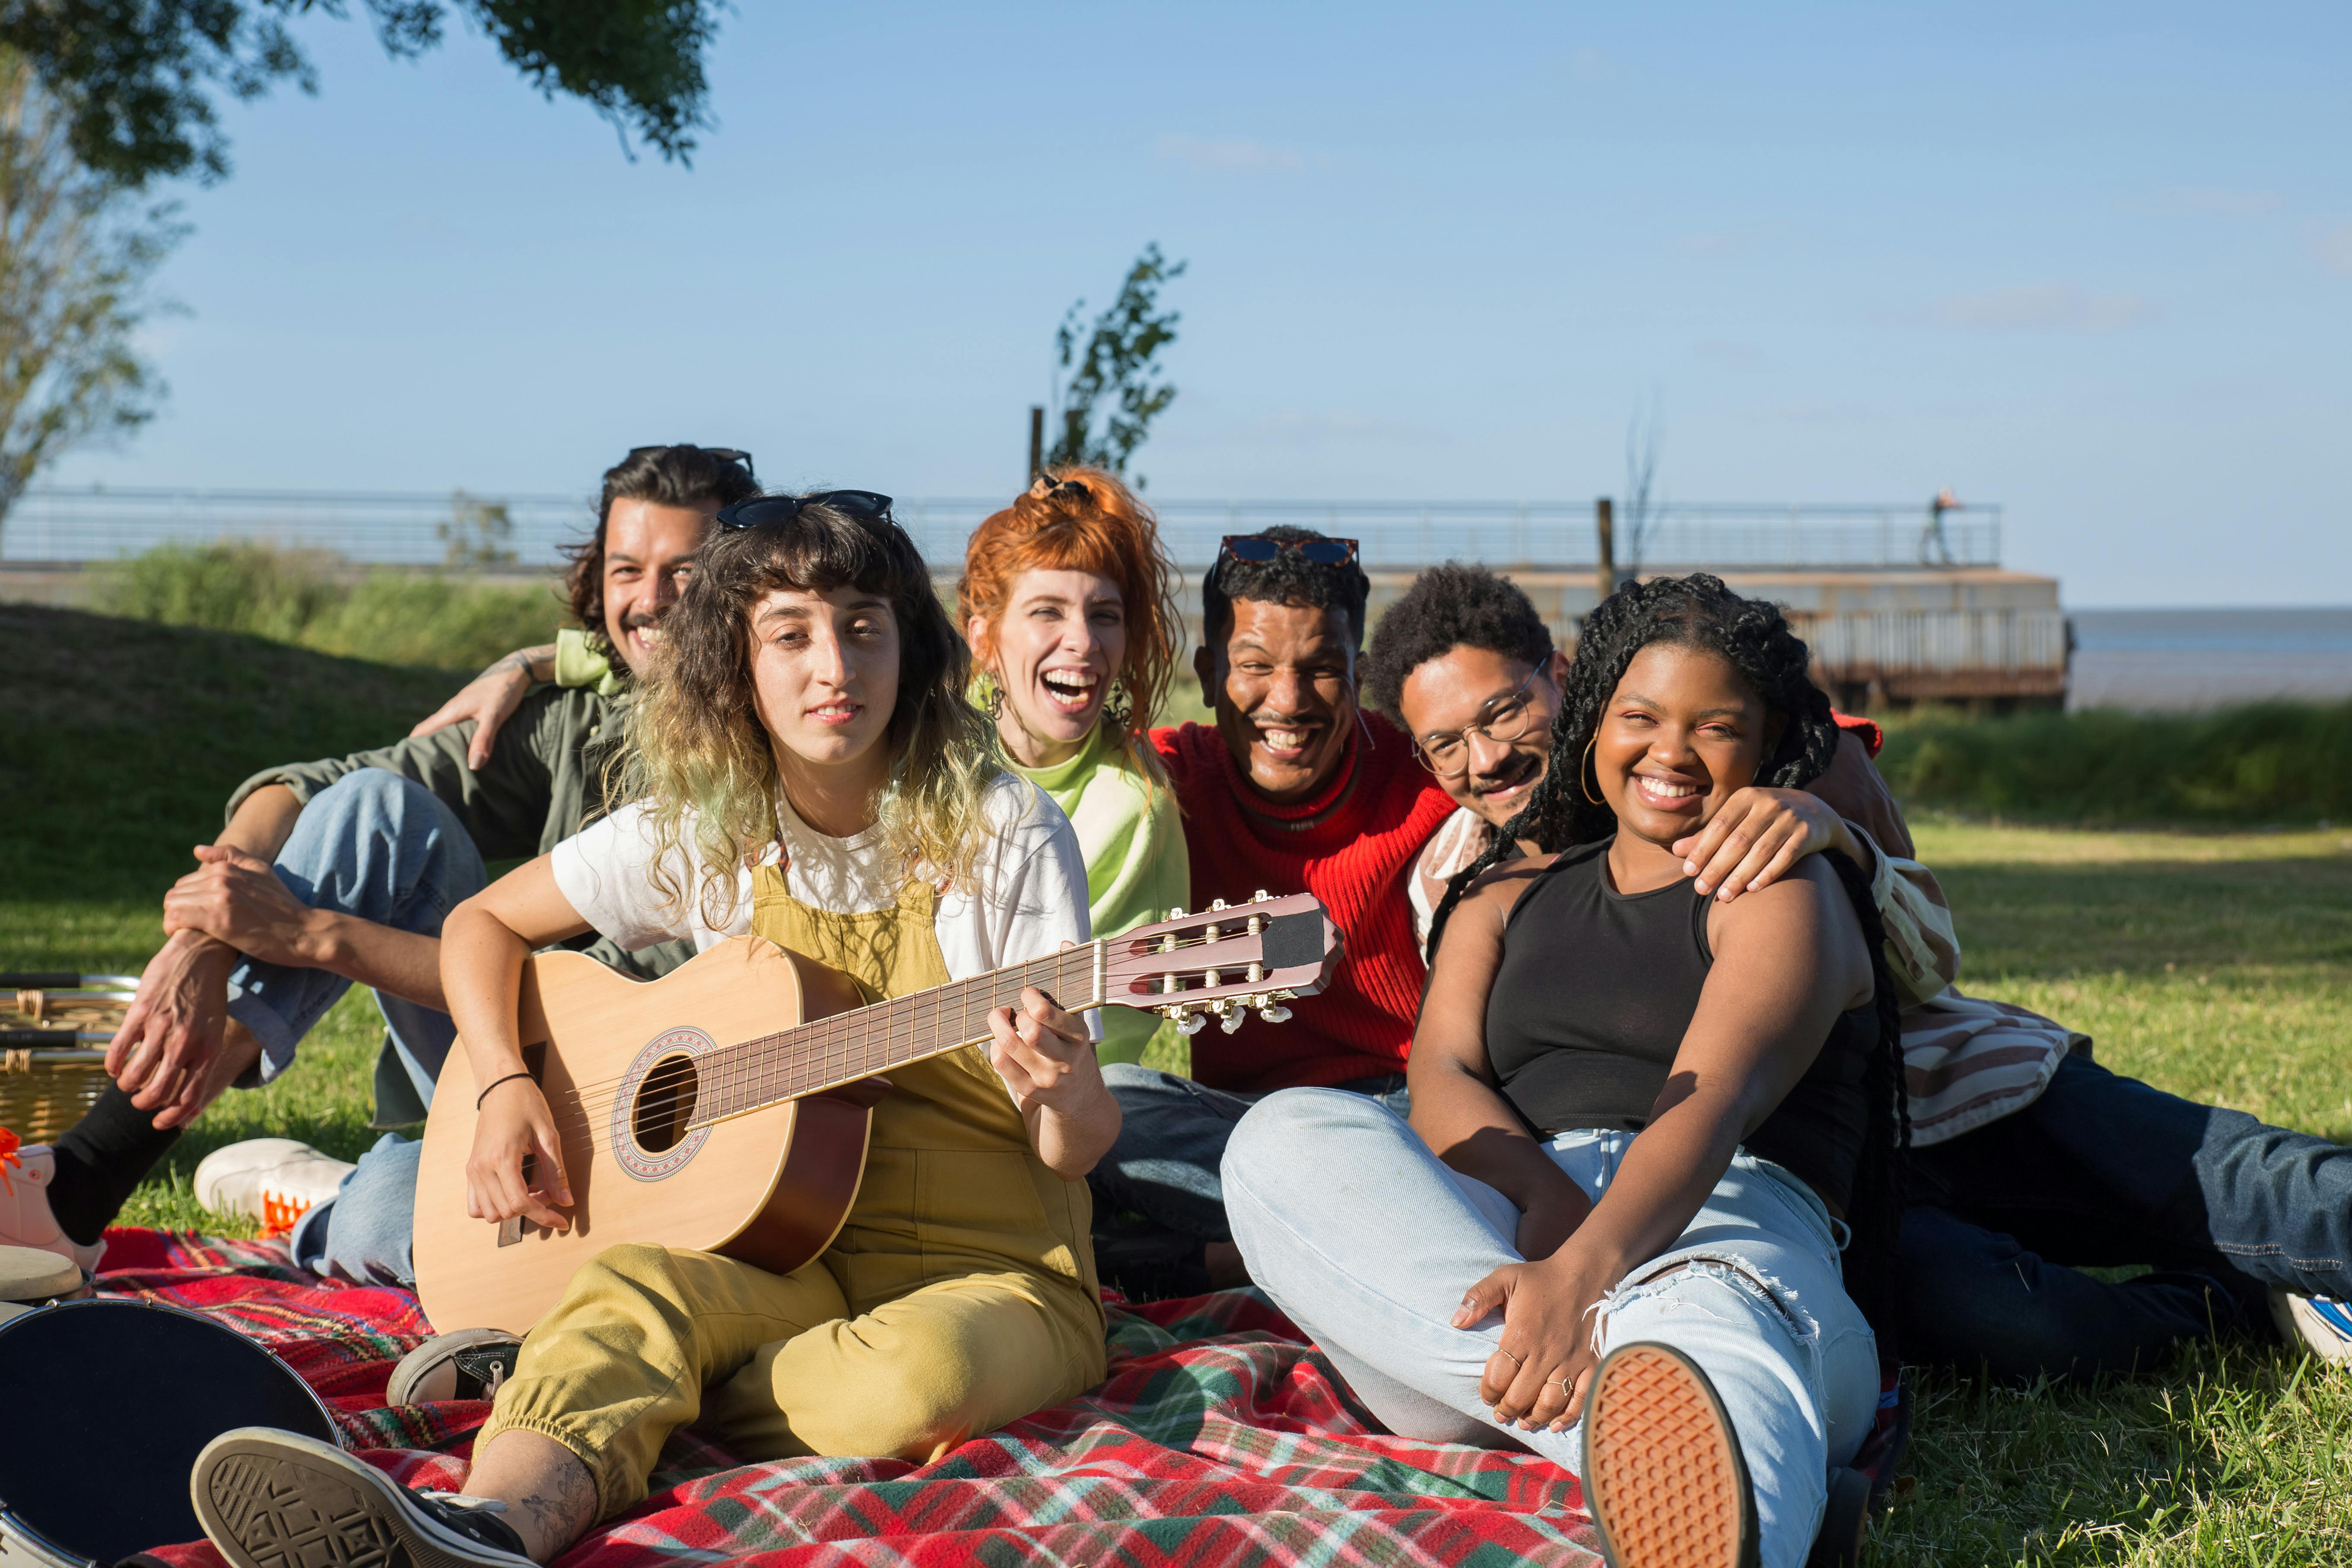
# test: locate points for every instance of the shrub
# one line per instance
(2263, 763)
(309, 598)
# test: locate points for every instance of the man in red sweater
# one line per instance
(1294, 789)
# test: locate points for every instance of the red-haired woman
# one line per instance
(1068, 602)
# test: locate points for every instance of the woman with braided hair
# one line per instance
(1645, 1123)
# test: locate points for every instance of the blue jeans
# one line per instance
(1171, 1141)
(2102, 1170)
(384, 849)
(1368, 1241)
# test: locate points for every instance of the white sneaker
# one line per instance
(2324, 1324)
(276, 1181)
(25, 1218)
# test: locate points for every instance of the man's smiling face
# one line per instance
(648, 556)
(1282, 682)
(1469, 686)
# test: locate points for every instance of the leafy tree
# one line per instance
(478, 532)
(76, 252)
(137, 77)
(1116, 367)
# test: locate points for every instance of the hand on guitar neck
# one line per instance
(1047, 1059)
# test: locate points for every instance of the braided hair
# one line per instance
(1751, 635)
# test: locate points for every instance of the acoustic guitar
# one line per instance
(694, 1110)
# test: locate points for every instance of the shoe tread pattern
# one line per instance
(287, 1515)
(1665, 1481)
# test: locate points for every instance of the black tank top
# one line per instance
(1595, 991)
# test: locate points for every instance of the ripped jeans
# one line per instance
(1368, 1241)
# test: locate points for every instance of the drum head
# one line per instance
(108, 1403)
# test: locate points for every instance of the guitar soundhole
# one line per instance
(665, 1104)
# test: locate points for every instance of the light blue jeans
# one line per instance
(1368, 1241)
(383, 848)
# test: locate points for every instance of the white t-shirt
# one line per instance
(1030, 895)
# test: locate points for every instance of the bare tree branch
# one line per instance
(75, 253)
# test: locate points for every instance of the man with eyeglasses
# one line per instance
(1293, 788)
(340, 871)
(2027, 1155)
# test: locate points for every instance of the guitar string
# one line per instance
(997, 975)
(836, 1053)
(732, 1070)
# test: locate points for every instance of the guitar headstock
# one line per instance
(1225, 959)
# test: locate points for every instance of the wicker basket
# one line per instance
(45, 1088)
(42, 1091)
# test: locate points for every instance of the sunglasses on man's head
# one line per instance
(1259, 547)
(769, 511)
(724, 453)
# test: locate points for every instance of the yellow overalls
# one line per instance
(960, 1296)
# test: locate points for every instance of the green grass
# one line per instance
(2217, 965)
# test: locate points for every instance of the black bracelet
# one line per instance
(495, 1082)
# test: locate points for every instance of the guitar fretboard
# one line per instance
(755, 1074)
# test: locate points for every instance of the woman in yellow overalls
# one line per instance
(804, 768)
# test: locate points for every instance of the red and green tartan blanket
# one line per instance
(1220, 1437)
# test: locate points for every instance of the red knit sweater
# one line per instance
(1383, 808)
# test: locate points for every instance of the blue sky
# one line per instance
(2092, 262)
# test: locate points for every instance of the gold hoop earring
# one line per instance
(1581, 763)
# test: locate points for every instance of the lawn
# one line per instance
(2214, 965)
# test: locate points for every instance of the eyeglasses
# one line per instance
(1447, 755)
(769, 511)
(724, 455)
(1258, 548)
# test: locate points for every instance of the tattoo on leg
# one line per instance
(563, 1512)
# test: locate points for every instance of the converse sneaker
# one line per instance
(26, 1173)
(471, 1364)
(274, 1500)
(275, 1181)
(1664, 1477)
(2324, 1324)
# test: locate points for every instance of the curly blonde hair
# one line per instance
(1085, 519)
(700, 758)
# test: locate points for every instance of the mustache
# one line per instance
(636, 618)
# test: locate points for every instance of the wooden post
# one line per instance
(1604, 524)
(1036, 440)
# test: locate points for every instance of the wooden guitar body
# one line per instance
(770, 1187)
(712, 1110)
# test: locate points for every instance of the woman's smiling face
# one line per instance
(1056, 648)
(1683, 731)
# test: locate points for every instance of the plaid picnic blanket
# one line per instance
(1220, 1437)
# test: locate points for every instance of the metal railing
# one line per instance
(52, 524)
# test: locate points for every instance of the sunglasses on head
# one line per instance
(724, 453)
(769, 511)
(1258, 548)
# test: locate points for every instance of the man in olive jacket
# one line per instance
(340, 871)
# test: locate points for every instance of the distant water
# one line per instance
(2205, 658)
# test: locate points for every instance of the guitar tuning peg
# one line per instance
(1261, 897)
(1190, 1024)
(1177, 913)
(1216, 904)
(1277, 1013)
(1229, 1017)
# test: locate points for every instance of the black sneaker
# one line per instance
(471, 1364)
(273, 1500)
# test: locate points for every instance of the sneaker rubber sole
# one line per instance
(2322, 1325)
(1664, 1477)
(275, 1499)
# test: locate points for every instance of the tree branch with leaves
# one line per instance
(1113, 365)
(137, 77)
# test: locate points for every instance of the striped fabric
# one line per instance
(1220, 1437)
